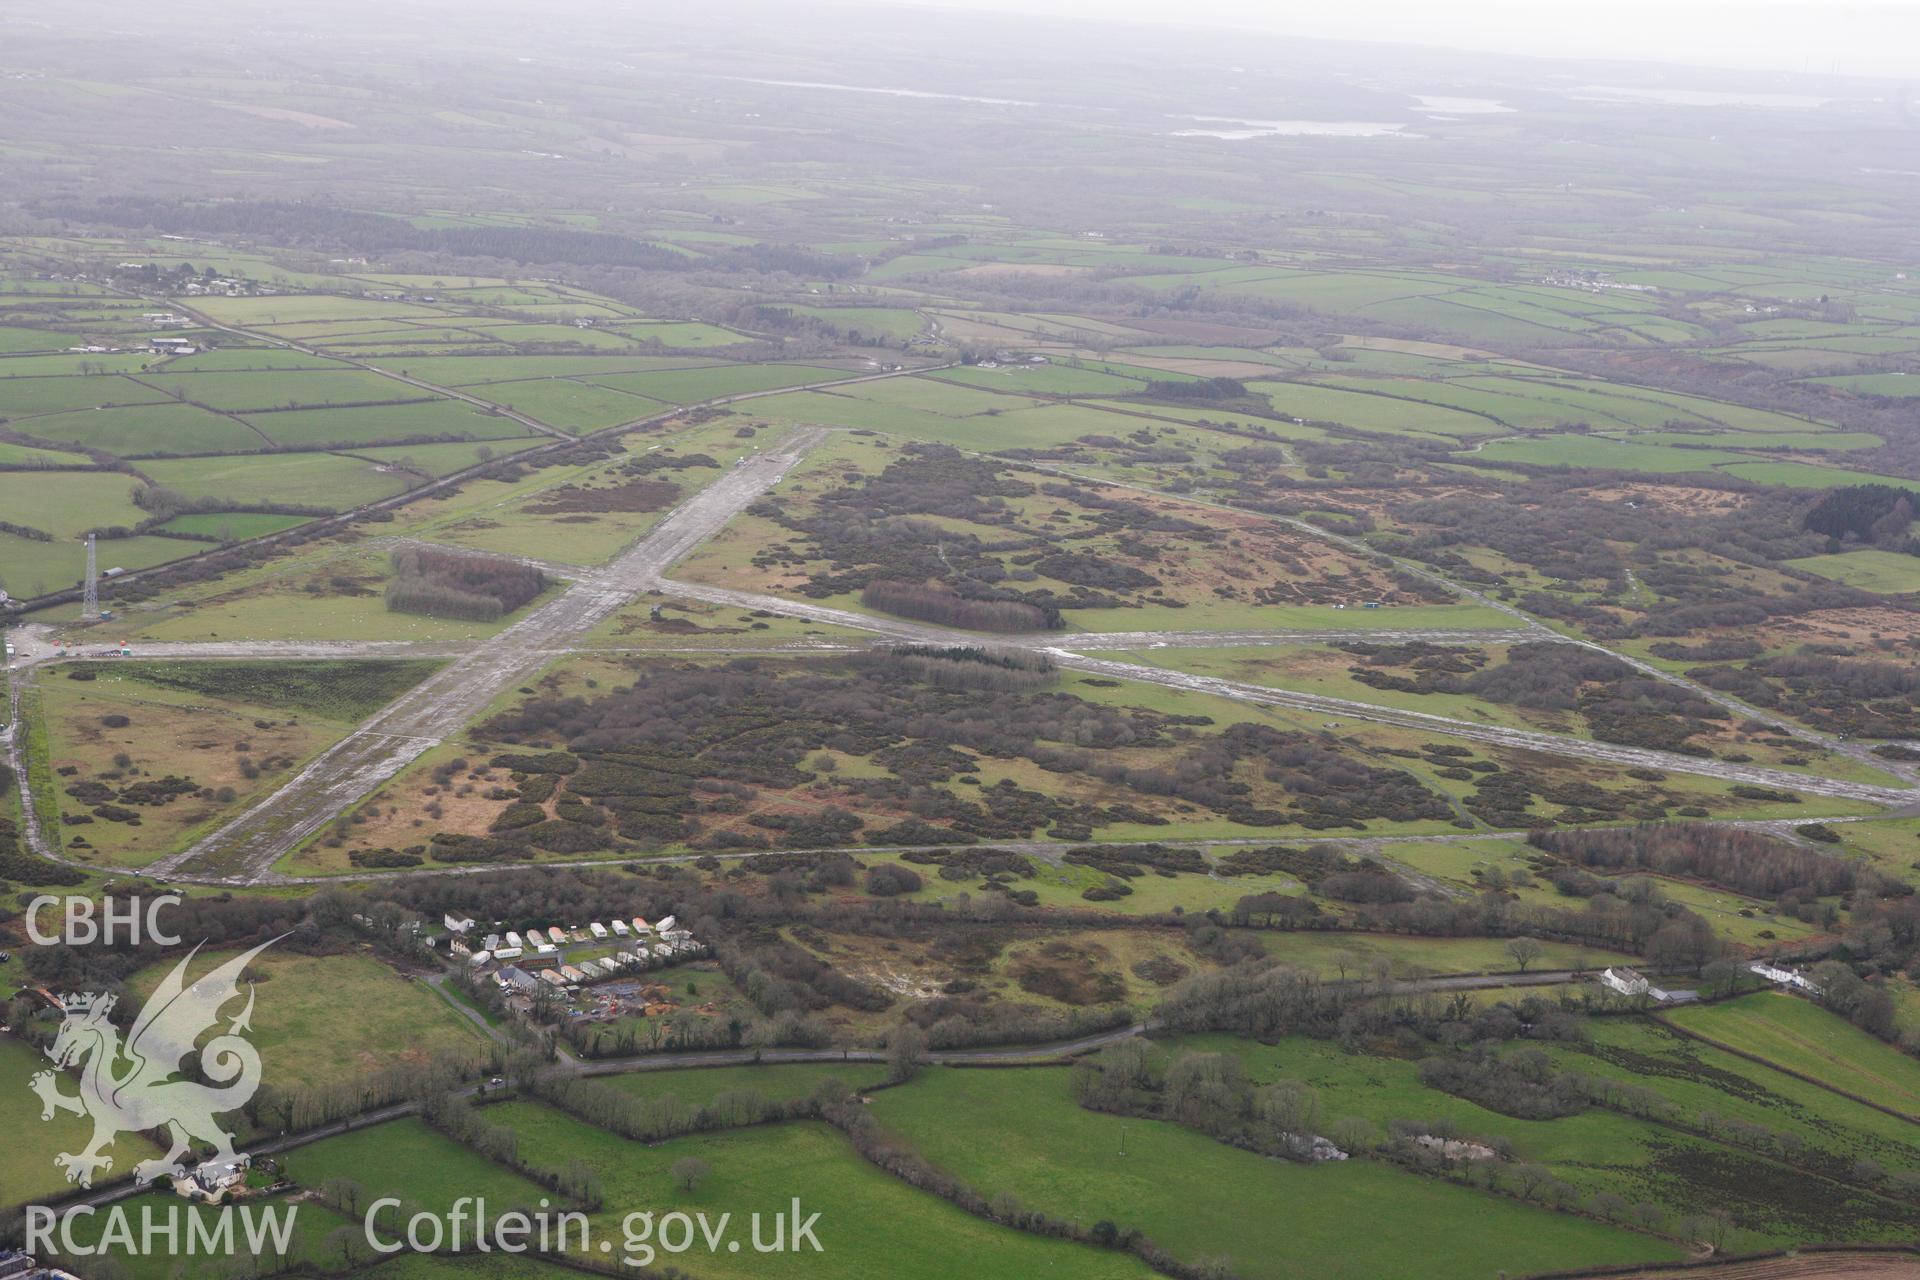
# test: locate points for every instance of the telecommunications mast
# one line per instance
(90, 606)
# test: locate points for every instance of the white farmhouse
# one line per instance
(1625, 981)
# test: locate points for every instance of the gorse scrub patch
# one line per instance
(349, 689)
(16, 862)
(455, 584)
(939, 604)
(1745, 861)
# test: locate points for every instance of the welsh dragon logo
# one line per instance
(130, 1086)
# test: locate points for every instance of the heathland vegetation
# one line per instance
(1152, 663)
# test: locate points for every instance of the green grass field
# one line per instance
(324, 480)
(1021, 1132)
(1601, 452)
(311, 1225)
(1597, 1150)
(409, 1159)
(227, 525)
(418, 421)
(1802, 1037)
(326, 1019)
(686, 386)
(29, 567)
(1701, 1079)
(25, 398)
(780, 1082)
(240, 390)
(1885, 572)
(68, 503)
(570, 405)
(1803, 475)
(149, 429)
(1372, 412)
(1358, 954)
(292, 598)
(870, 1224)
(28, 1173)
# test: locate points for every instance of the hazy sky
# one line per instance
(1854, 37)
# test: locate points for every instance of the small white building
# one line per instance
(620, 928)
(641, 926)
(479, 958)
(1783, 977)
(216, 1178)
(557, 936)
(597, 929)
(515, 940)
(457, 924)
(1626, 982)
(509, 953)
(664, 924)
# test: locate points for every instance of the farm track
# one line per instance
(13, 739)
(1891, 1262)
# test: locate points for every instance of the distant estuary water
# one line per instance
(1235, 130)
(1699, 97)
(889, 92)
(1441, 104)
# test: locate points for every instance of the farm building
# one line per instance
(1626, 981)
(215, 1178)
(1783, 977)
(514, 978)
(1629, 982)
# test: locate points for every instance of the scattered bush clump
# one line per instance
(453, 584)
